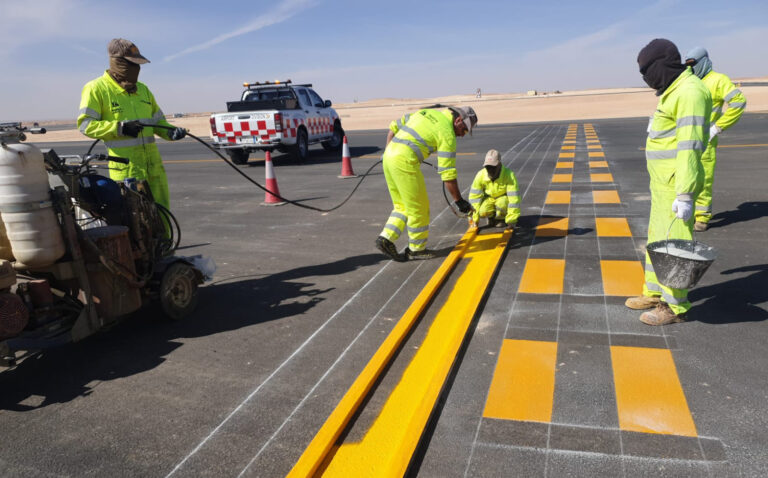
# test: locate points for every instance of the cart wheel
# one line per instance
(178, 291)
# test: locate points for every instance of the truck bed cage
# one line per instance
(273, 84)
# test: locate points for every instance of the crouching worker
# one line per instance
(494, 194)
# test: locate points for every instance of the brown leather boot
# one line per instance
(662, 315)
(642, 302)
(700, 226)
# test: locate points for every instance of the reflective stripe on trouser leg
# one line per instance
(660, 219)
(409, 197)
(703, 209)
(487, 208)
(501, 208)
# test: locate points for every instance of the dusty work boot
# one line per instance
(661, 315)
(418, 255)
(501, 223)
(700, 226)
(642, 302)
(385, 245)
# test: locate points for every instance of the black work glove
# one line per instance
(129, 128)
(177, 133)
(463, 206)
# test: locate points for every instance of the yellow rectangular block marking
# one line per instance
(649, 397)
(606, 197)
(567, 147)
(523, 385)
(564, 165)
(593, 141)
(562, 178)
(612, 227)
(543, 276)
(569, 141)
(601, 177)
(558, 197)
(552, 227)
(598, 164)
(567, 155)
(596, 154)
(622, 278)
(594, 146)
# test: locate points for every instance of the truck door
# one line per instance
(325, 126)
(312, 115)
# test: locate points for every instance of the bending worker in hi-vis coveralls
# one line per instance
(723, 91)
(494, 193)
(410, 140)
(677, 138)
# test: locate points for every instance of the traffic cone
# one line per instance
(269, 196)
(346, 162)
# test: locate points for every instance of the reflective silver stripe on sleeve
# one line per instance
(85, 124)
(441, 170)
(475, 191)
(511, 194)
(704, 208)
(417, 242)
(393, 228)
(414, 147)
(475, 200)
(738, 105)
(695, 145)
(717, 110)
(730, 95)
(667, 133)
(127, 143)
(399, 215)
(664, 154)
(670, 299)
(446, 154)
(416, 230)
(92, 113)
(416, 136)
(400, 121)
(691, 121)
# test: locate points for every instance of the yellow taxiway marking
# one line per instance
(523, 385)
(596, 154)
(649, 396)
(552, 227)
(598, 164)
(622, 278)
(601, 177)
(323, 442)
(569, 141)
(593, 141)
(567, 155)
(594, 146)
(378, 156)
(564, 165)
(605, 197)
(567, 147)
(742, 145)
(388, 445)
(543, 276)
(558, 197)
(562, 178)
(612, 227)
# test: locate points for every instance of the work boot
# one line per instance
(662, 315)
(418, 255)
(700, 226)
(501, 223)
(642, 302)
(385, 245)
(491, 220)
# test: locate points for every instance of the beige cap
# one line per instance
(122, 48)
(492, 158)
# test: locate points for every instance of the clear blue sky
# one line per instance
(201, 52)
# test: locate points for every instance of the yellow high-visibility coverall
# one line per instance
(495, 198)
(723, 91)
(677, 138)
(416, 136)
(104, 104)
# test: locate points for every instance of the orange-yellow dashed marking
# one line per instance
(543, 276)
(606, 197)
(558, 197)
(612, 227)
(622, 278)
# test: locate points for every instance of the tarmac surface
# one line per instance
(553, 376)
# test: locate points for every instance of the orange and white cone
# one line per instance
(269, 196)
(346, 162)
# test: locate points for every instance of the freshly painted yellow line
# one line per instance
(649, 397)
(552, 227)
(612, 227)
(326, 437)
(388, 445)
(605, 197)
(598, 164)
(742, 145)
(622, 278)
(596, 154)
(567, 155)
(562, 178)
(543, 276)
(523, 385)
(601, 177)
(558, 197)
(564, 165)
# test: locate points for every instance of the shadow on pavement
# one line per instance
(734, 300)
(142, 341)
(744, 212)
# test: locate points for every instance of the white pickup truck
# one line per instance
(276, 116)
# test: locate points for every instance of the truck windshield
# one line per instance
(267, 94)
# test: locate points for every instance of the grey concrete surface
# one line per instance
(301, 300)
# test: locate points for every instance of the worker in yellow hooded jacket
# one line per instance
(114, 107)
(723, 92)
(677, 137)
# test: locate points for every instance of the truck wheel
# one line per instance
(178, 290)
(334, 144)
(238, 156)
(302, 145)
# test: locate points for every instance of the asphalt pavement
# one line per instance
(301, 300)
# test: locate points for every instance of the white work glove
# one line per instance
(714, 130)
(683, 209)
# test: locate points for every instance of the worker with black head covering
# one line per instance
(494, 194)
(723, 92)
(410, 140)
(677, 137)
(114, 108)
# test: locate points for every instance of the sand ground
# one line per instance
(490, 108)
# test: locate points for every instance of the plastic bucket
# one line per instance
(680, 263)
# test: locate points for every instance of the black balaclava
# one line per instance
(660, 64)
(493, 171)
(124, 72)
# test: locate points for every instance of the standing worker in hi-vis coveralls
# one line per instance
(677, 137)
(410, 140)
(723, 91)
